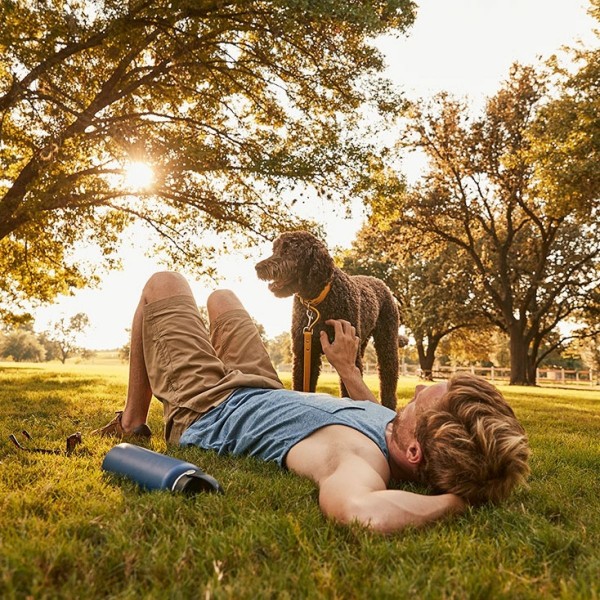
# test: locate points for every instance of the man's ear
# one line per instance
(414, 455)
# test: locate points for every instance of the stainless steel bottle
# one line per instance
(154, 471)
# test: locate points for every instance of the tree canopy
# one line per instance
(565, 142)
(21, 345)
(231, 103)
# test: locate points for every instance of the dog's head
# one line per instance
(300, 264)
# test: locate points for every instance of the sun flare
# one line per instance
(138, 176)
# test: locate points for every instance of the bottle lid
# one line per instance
(195, 481)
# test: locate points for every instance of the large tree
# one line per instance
(231, 102)
(534, 262)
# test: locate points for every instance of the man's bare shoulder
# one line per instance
(332, 447)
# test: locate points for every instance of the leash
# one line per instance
(313, 316)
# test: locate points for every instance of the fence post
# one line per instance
(492, 373)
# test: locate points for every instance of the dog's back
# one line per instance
(375, 301)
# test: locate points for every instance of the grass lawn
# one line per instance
(67, 530)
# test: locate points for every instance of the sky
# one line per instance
(465, 47)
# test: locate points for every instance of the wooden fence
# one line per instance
(587, 377)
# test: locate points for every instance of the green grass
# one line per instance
(67, 530)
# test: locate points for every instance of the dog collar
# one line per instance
(316, 301)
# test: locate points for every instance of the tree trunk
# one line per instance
(532, 369)
(427, 357)
(521, 372)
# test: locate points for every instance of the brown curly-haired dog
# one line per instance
(301, 265)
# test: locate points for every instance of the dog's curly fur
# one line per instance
(301, 265)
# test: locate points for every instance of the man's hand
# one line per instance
(341, 354)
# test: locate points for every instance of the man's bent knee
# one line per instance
(222, 301)
(165, 284)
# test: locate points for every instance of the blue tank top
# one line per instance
(268, 423)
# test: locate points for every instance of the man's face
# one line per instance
(425, 398)
(404, 448)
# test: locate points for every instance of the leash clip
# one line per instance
(309, 316)
(313, 316)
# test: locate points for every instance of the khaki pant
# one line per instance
(192, 371)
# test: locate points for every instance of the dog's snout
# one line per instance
(263, 269)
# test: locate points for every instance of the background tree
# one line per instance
(533, 267)
(22, 345)
(588, 336)
(64, 334)
(482, 346)
(87, 354)
(568, 356)
(280, 349)
(231, 104)
(125, 349)
(589, 349)
(52, 351)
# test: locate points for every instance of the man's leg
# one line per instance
(237, 340)
(139, 393)
(189, 369)
(222, 301)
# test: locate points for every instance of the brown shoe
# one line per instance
(115, 429)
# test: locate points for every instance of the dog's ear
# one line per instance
(319, 267)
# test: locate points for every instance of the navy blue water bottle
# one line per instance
(154, 471)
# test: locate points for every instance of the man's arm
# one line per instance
(341, 354)
(355, 492)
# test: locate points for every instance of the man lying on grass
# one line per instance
(220, 392)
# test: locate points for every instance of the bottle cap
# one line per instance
(195, 481)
